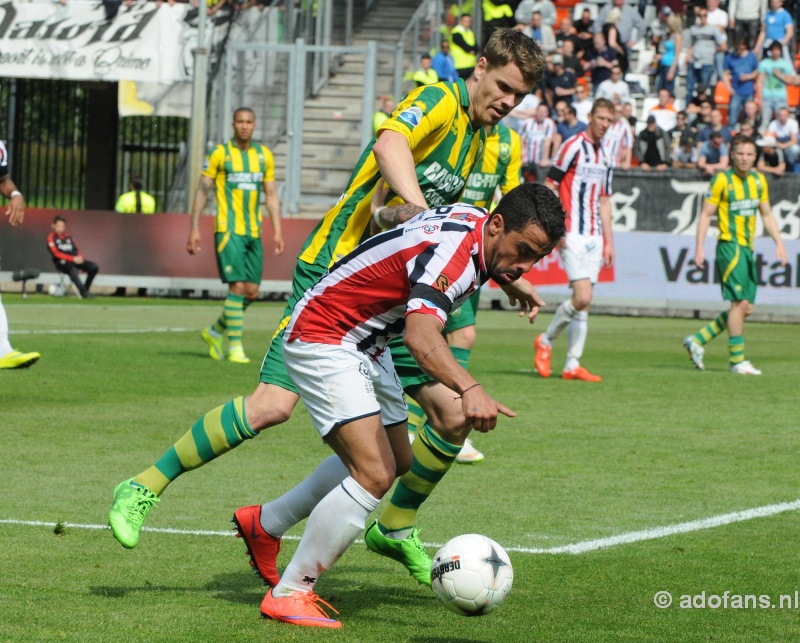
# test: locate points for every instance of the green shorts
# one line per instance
(736, 269)
(273, 370)
(409, 373)
(239, 258)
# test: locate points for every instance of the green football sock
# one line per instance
(710, 331)
(215, 433)
(432, 459)
(416, 416)
(461, 355)
(234, 315)
(736, 349)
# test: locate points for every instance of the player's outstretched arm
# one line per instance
(425, 342)
(396, 163)
(200, 196)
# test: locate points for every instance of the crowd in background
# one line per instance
(693, 55)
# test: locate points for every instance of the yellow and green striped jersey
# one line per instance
(500, 165)
(435, 120)
(238, 176)
(737, 202)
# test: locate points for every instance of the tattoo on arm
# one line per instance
(396, 214)
(435, 348)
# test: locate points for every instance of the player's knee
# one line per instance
(749, 309)
(463, 337)
(378, 479)
(264, 408)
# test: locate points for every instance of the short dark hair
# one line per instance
(243, 109)
(58, 218)
(506, 46)
(424, 56)
(741, 139)
(533, 203)
(137, 182)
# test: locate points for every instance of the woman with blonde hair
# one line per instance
(611, 32)
(668, 59)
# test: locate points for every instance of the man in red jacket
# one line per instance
(68, 259)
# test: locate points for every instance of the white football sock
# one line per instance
(5, 347)
(332, 527)
(283, 513)
(576, 339)
(564, 314)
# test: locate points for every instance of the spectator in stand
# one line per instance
(713, 156)
(496, 15)
(668, 60)
(137, 201)
(619, 140)
(702, 118)
(659, 28)
(741, 70)
(653, 147)
(425, 75)
(571, 61)
(751, 114)
(664, 112)
(570, 125)
(746, 129)
(705, 41)
(716, 124)
(770, 157)
(567, 33)
(615, 88)
(541, 33)
(584, 29)
(675, 6)
(443, 63)
(387, 107)
(628, 21)
(464, 47)
(561, 84)
(68, 259)
(526, 109)
(627, 112)
(582, 103)
(680, 129)
(745, 17)
(772, 74)
(685, 155)
(611, 32)
(539, 137)
(778, 28)
(701, 95)
(599, 60)
(784, 129)
(527, 8)
(718, 18)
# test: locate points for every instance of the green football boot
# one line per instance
(409, 552)
(131, 505)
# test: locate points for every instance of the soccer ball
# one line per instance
(471, 575)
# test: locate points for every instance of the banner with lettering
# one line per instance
(75, 41)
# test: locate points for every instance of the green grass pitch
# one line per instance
(655, 444)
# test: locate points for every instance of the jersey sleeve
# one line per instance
(564, 158)
(214, 163)
(421, 112)
(716, 190)
(764, 188)
(269, 164)
(512, 177)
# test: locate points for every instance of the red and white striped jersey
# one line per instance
(582, 172)
(619, 136)
(431, 265)
(533, 135)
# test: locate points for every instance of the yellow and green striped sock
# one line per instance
(416, 416)
(711, 330)
(736, 349)
(234, 316)
(433, 456)
(215, 433)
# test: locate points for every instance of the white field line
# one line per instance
(575, 548)
(102, 331)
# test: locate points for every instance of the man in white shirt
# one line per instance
(582, 103)
(526, 109)
(785, 129)
(719, 19)
(614, 89)
(744, 17)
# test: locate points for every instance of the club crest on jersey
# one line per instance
(205, 164)
(442, 283)
(430, 229)
(412, 116)
(464, 216)
(505, 151)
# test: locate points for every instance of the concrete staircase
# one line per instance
(332, 132)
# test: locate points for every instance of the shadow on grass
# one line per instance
(233, 588)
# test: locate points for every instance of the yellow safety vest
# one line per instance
(425, 77)
(463, 59)
(491, 11)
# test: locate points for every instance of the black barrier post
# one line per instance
(23, 276)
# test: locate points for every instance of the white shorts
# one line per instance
(340, 385)
(582, 257)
